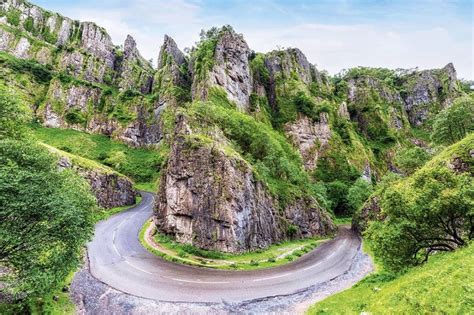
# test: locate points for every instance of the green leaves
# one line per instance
(45, 217)
(430, 211)
(453, 123)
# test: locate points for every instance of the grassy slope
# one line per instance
(142, 165)
(444, 285)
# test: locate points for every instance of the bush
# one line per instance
(13, 17)
(358, 194)
(411, 159)
(291, 230)
(455, 122)
(29, 24)
(74, 116)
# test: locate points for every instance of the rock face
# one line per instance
(172, 74)
(110, 189)
(230, 72)
(213, 201)
(135, 72)
(428, 92)
(310, 137)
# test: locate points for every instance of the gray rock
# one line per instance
(311, 138)
(231, 71)
(213, 201)
(429, 91)
(110, 189)
(136, 73)
(172, 73)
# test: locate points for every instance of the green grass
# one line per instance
(342, 220)
(276, 255)
(444, 285)
(140, 164)
(46, 304)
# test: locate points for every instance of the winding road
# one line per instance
(117, 258)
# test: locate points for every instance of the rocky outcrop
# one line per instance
(172, 75)
(135, 72)
(311, 138)
(212, 200)
(75, 106)
(110, 189)
(360, 89)
(231, 71)
(428, 92)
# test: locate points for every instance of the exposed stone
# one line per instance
(213, 201)
(231, 71)
(21, 49)
(136, 72)
(172, 73)
(342, 111)
(5, 40)
(428, 92)
(310, 137)
(110, 189)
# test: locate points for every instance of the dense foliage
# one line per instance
(430, 211)
(453, 123)
(142, 165)
(45, 213)
(45, 218)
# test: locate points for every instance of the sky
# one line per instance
(334, 35)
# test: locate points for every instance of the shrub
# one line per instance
(29, 24)
(453, 123)
(411, 159)
(429, 212)
(13, 17)
(75, 116)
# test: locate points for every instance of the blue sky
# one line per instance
(333, 34)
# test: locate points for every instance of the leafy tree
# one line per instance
(337, 194)
(358, 194)
(431, 211)
(453, 123)
(411, 159)
(45, 218)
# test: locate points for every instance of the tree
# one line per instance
(431, 211)
(453, 123)
(411, 159)
(358, 194)
(45, 218)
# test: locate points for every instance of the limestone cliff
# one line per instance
(230, 70)
(110, 188)
(212, 200)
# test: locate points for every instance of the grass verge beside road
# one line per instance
(277, 254)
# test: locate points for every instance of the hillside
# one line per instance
(441, 286)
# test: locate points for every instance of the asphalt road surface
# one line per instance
(118, 259)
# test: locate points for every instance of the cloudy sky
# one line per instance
(333, 34)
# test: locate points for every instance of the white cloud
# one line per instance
(335, 47)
